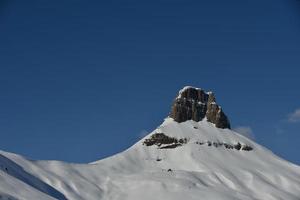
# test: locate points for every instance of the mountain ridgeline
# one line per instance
(192, 155)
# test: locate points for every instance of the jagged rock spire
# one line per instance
(196, 104)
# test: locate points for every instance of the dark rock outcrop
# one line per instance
(164, 142)
(196, 104)
(237, 146)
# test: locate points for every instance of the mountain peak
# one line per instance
(175, 161)
(196, 104)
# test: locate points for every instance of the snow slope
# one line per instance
(194, 170)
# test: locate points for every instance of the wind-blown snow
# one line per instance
(145, 172)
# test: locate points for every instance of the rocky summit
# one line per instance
(196, 104)
(175, 161)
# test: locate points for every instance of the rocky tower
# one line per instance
(196, 104)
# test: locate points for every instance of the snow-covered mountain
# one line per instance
(192, 155)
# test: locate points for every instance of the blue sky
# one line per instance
(81, 81)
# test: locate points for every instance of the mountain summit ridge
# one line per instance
(178, 160)
(195, 104)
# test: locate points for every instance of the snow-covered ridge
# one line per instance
(176, 161)
(188, 171)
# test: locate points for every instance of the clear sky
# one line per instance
(84, 80)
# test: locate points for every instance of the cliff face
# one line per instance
(196, 104)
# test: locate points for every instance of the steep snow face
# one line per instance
(182, 161)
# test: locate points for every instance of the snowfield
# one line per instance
(205, 166)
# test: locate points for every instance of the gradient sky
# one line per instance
(84, 80)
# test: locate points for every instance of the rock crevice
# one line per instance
(196, 104)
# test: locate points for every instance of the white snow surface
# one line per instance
(142, 172)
